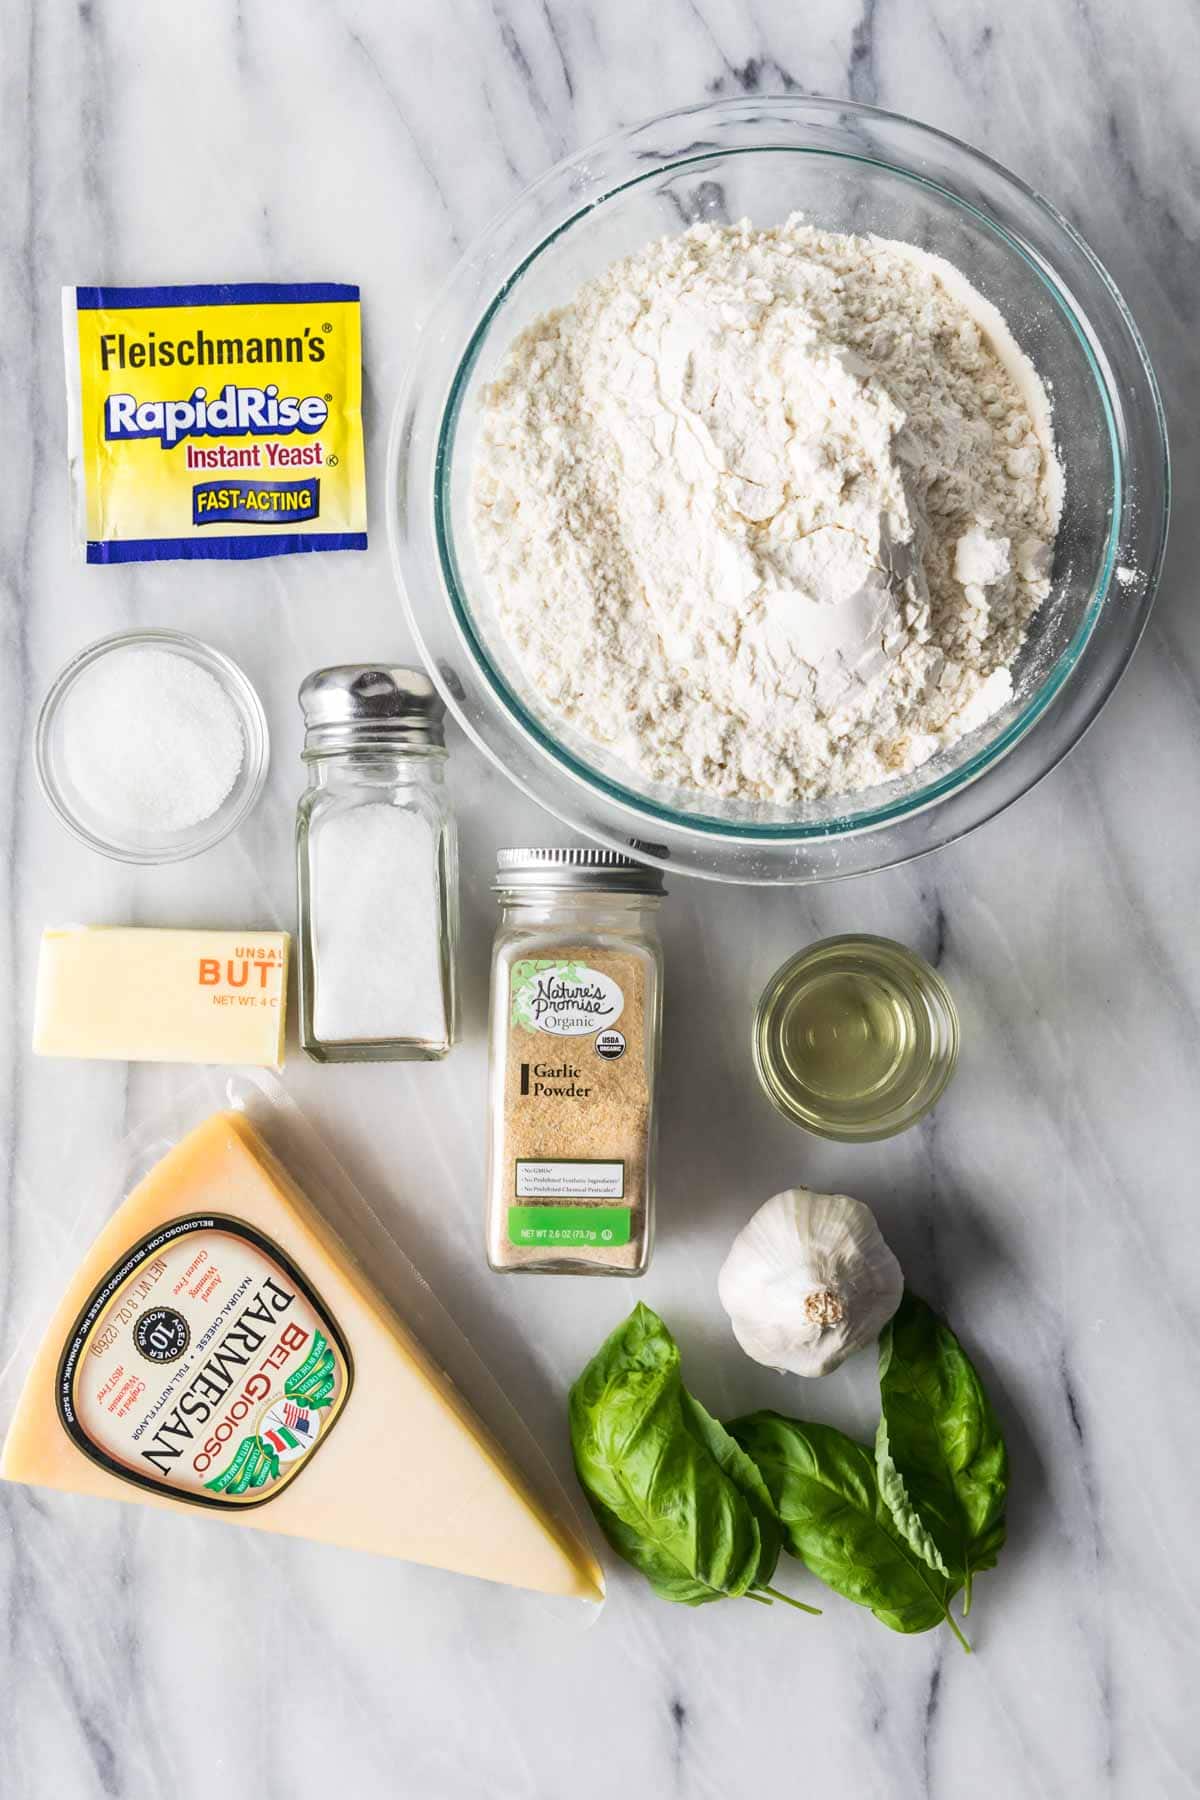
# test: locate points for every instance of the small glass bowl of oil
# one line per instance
(855, 1038)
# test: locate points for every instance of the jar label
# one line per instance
(204, 1366)
(578, 1059)
(557, 1177)
(569, 1227)
(564, 998)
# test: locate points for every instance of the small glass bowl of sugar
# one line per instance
(151, 746)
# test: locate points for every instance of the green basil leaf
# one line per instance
(940, 1453)
(647, 1459)
(745, 1475)
(835, 1520)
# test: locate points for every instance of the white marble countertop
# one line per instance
(1050, 1204)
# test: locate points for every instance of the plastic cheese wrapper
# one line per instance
(217, 1346)
(221, 421)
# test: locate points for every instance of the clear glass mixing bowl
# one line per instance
(848, 168)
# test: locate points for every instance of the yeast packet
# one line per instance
(215, 421)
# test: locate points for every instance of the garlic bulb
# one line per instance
(808, 1281)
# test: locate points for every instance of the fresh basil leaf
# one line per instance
(666, 1573)
(940, 1453)
(655, 1469)
(745, 1475)
(899, 1502)
(835, 1520)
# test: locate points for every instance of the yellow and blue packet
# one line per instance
(215, 421)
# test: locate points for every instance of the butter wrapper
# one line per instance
(218, 421)
(135, 993)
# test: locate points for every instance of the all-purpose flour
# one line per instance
(766, 512)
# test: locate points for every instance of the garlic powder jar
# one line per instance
(576, 1025)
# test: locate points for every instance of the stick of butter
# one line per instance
(138, 994)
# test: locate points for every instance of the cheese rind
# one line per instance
(141, 994)
(405, 1468)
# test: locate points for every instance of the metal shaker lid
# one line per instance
(575, 866)
(356, 705)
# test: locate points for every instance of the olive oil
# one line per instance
(855, 1038)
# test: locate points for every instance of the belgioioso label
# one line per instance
(204, 1365)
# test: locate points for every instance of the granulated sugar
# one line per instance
(151, 741)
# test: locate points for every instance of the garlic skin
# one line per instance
(808, 1281)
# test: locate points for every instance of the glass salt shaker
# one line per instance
(377, 868)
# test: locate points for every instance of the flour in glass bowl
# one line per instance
(766, 513)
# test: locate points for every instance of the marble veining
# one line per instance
(1049, 1203)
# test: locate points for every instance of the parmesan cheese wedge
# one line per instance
(218, 1349)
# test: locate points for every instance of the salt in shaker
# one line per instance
(377, 869)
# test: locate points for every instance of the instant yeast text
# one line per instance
(215, 421)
